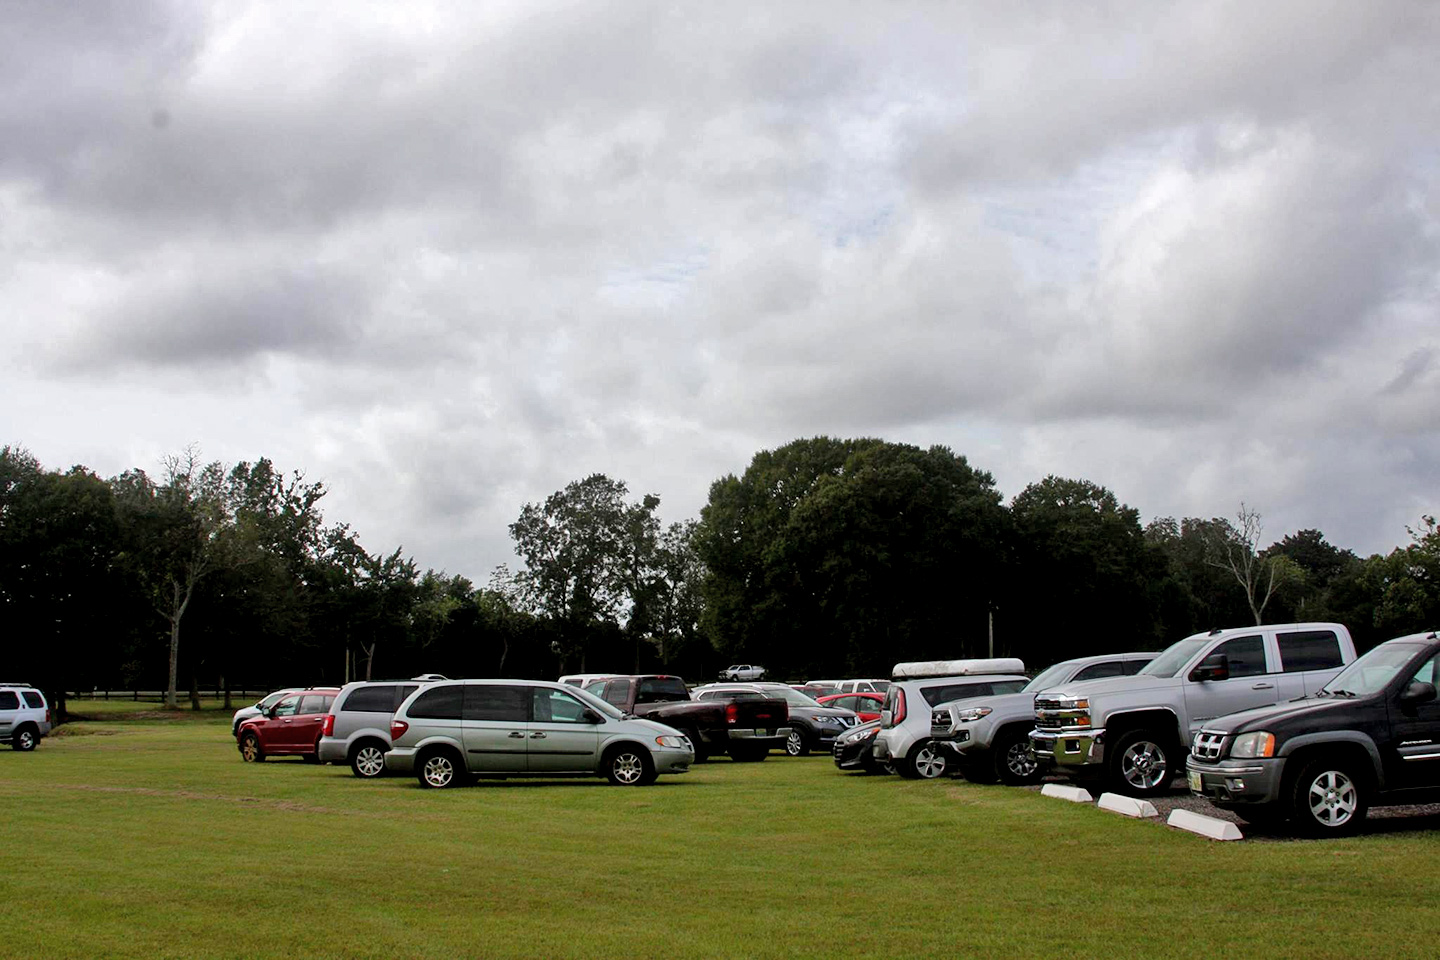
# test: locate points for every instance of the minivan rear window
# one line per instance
(377, 699)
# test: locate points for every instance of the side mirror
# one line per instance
(1214, 667)
(1417, 692)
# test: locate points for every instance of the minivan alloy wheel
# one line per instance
(369, 761)
(627, 767)
(438, 770)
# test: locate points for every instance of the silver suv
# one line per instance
(447, 732)
(357, 729)
(24, 715)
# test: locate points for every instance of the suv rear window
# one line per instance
(33, 698)
(8, 700)
(1311, 650)
(376, 699)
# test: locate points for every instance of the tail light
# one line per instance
(898, 714)
(732, 713)
(397, 729)
(327, 729)
(47, 716)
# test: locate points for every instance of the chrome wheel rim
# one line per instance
(627, 768)
(1143, 765)
(439, 771)
(1020, 761)
(928, 763)
(1333, 799)
(369, 761)
(793, 743)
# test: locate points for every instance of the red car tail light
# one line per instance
(397, 729)
(327, 729)
(732, 713)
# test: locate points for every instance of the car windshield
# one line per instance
(273, 699)
(595, 703)
(1373, 671)
(1175, 656)
(1049, 677)
(793, 697)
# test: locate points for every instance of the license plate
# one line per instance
(1194, 778)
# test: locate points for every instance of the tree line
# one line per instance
(825, 557)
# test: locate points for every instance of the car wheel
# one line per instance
(629, 766)
(1328, 799)
(250, 750)
(1142, 764)
(700, 754)
(796, 744)
(438, 770)
(924, 762)
(1015, 765)
(24, 740)
(367, 761)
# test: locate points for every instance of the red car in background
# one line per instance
(865, 705)
(290, 728)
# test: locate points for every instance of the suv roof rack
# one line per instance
(923, 669)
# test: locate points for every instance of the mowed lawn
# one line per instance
(150, 838)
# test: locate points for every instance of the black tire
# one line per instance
(367, 760)
(439, 770)
(25, 739)
(1141, 763)
(924, 762)
(1329, 798)
(1011, 760)
(629, 766)
(748, 754)
(797, 744)
(250, 749)
(701, 754)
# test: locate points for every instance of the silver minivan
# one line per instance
(447, 732)
(357, 730)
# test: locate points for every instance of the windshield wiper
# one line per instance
(1347, 694)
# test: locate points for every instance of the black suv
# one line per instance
(1370, 737)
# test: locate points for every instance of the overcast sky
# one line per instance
(447, 258)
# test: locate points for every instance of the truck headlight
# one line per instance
(972, 714)
(1257, 744)
(674, 743)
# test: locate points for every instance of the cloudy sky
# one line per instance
(447, 258)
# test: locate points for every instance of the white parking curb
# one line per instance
(1073, 794)
(1127, 806)
(1211, 827)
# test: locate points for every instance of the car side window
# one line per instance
(1246, 656)
(313, 703)
(556, 706)
(442, 703)
(1310, 650)
(497, 702)
(376, 699)
(1131, 667)
(617, 692)
(8, 700)
(402, 692)
(1428, 671)
(1096, 671)
(287, 707)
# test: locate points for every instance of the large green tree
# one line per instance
(851, 554)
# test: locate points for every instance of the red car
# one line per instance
(865, 705)
(290, 728)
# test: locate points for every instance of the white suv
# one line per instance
(24, 715)
(917, 689)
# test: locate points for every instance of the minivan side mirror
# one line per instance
(1214, 667)
(1417, 692)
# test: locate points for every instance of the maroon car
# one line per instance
(290, 728)
(865, 705)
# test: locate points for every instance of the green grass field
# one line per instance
(150, 838)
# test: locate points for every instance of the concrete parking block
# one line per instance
(1211, 827)
(1073, 794)
(1127, 806)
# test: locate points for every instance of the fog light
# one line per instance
(1072, 746)
(1234, 784)
(962, 736)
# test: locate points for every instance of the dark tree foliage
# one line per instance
(848, 555)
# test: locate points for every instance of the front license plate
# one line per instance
(1194, 781)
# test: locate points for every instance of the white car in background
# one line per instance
(917, 689)
(742, 672)
(259, 707)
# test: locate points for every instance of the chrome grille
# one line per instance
(1207, 746)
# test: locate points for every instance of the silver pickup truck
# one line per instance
(1134, 731)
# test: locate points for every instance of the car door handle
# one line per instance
(516, 735)
(1263, 686)
(537, 736)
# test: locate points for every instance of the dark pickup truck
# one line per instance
(745, 729)
(1369, 737)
